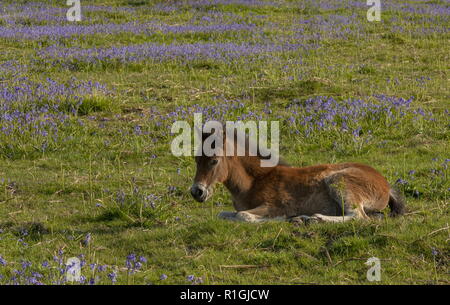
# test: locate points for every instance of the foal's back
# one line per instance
(325, 186)
(315, 173)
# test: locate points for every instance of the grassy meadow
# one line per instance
(85, 114)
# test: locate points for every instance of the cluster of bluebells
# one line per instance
(55, 271)
(151, 201)
(39, 108)
(411, 183)
(134, 263)
(147, 207)
(412, 17)
(11, 69)
(404, 17)
(297, 35)
(429, 9)
(307, 117)
(36, 32)
(194, 280)
(415, 7)
(219, 111)
(204, 4)
(218, 17)
(331, 26)
(323, 113)
(38, 12)
(218, 52)
(135, 198)
(419, 30)
(24, 272)
(49, 22)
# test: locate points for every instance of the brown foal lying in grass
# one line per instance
(326, 192)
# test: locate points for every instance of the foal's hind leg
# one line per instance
(320, 217)
(348, 201)
(348, 215)
(327, 218)
(345, 203)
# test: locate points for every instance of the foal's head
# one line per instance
(222, 168)
(210, 170)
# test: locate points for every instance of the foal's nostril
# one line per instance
(198, 192)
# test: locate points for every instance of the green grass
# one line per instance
(76, 185)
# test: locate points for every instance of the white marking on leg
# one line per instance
(326, 218)
(248, 217)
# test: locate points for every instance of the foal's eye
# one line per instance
(213, 162)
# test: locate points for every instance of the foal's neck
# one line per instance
(243, 173)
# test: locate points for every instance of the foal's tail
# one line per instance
(396, 203)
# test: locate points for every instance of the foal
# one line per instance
(327, 192)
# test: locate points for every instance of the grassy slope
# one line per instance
(59, 189)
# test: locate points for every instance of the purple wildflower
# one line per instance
(190, 278)
(87, 240)
(113, 276)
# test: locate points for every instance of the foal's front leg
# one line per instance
(259, 214)
(253, 215)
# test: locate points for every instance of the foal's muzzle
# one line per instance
(199, 192)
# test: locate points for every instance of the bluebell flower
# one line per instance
(190, 278)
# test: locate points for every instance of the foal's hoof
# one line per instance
(297, 220)
(304, 219)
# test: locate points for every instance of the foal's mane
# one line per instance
(281, 161)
